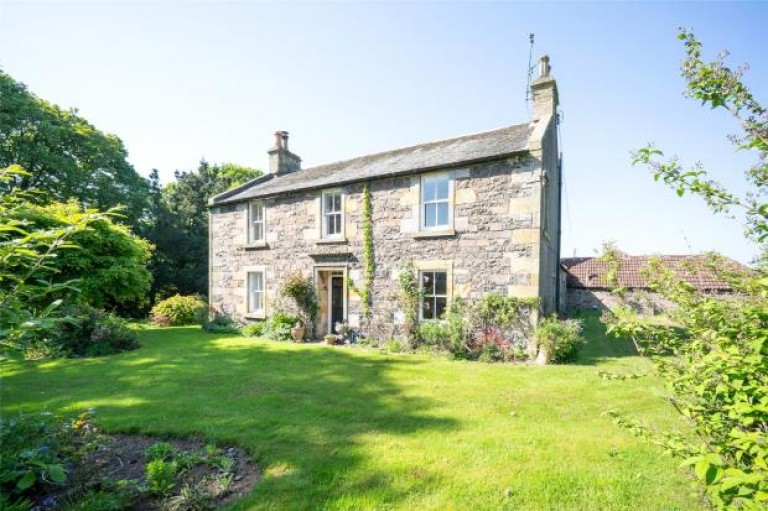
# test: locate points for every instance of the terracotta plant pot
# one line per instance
(297, 333)
(330, 339)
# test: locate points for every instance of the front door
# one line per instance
(336, 295)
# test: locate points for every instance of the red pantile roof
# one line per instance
(589, 272)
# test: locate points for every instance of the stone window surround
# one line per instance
(250, 241)
(439, 229)
(436, 265)
(341, 236)
(259, 314)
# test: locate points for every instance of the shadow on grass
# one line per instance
(300, 410)
(600, 345)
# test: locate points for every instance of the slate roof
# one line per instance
(589, 272)
(433, 155)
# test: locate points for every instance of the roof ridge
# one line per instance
(415, 146)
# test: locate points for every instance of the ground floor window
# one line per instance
(255, 292)
(434, 294)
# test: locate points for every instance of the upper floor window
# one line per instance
(434, 294)
(333, 214)
(435, 202)
(256, 222)
(255, 292)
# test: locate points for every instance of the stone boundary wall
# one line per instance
(598, 299)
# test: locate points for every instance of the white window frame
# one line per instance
(433, 297)
(252, 208)
(325, 216)
(448, 200)
(249, 302)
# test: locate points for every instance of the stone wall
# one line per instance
(494, 245)
(598, 299)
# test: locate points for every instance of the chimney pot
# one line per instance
(544, 90)
(281, 160)
(544, 66)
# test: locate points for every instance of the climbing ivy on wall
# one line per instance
(369, 266)
(368, 263)
(410, 296)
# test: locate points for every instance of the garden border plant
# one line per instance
(301, 290)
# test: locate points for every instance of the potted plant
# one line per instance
(298, 331)
(342, 328)
(330, 339)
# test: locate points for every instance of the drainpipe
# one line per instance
(559, 228)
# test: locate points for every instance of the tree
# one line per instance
(27, 303)
(65, 157)
(180, 226)
(109, 263)
(712, 352)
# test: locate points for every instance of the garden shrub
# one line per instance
(449, 334)
(38, 450)
(433, 333)
(300, 288)
(87, 332)
(180, 310)
(562, 337)
(109, 265)
(279, 325)
(254, 329)
(222, 324)
(490, 329)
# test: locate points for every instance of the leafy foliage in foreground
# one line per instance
(713, 352)
(28, 306)
(39, 451)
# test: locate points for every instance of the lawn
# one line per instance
(345, 428)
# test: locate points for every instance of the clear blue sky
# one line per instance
(178, 82)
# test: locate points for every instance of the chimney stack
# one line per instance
(281, 160)
(544, 91)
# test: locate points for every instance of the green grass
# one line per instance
(337, 428)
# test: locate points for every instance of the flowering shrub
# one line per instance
(489, 329)
(180, 310)
(490, 345)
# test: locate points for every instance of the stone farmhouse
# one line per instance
(475, 214)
